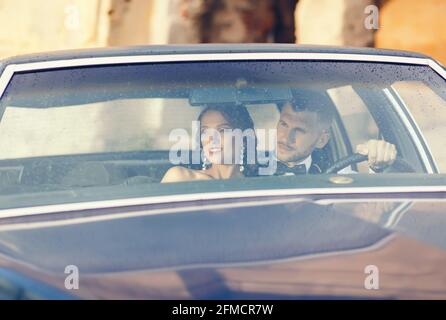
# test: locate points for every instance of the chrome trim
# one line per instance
(147, 212)
(437, 68)
(5, 78)
(417, 128)
(240, 194)
(10, 69)
(396, 215)
(410, 129)
(416, 199)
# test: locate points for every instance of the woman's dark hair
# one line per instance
(238, 117)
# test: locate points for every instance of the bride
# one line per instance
(214, 122)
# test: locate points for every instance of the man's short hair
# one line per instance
(313, 101)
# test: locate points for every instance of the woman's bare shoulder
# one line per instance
(176, 174)
(179, 174)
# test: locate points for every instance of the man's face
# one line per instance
(298, 133)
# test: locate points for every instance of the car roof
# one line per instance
(201, 48)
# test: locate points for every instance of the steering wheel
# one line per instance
(400, 165)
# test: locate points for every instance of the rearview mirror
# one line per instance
(246, 95)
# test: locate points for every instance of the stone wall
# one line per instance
(42, 25)
(129, 22)
(415, 26)
(333, 22)
(402, 24)
(231, 21)
(30, 26)
(45, 25)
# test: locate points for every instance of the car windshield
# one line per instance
(114, 131)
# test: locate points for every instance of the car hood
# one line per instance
(287, 248)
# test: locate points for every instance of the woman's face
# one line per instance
(215, 146)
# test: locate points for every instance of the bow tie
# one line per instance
(283, 169)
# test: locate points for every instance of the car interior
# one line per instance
(149, 166)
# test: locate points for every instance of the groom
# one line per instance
(303, 129)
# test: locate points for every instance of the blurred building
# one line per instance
(42, 25)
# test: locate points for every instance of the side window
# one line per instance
(428, 110)
(111, 126)
(356, 118)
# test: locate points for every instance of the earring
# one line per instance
(206, 162)
(241, 159)
(203, 166)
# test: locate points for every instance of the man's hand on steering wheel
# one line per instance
(381, 154)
